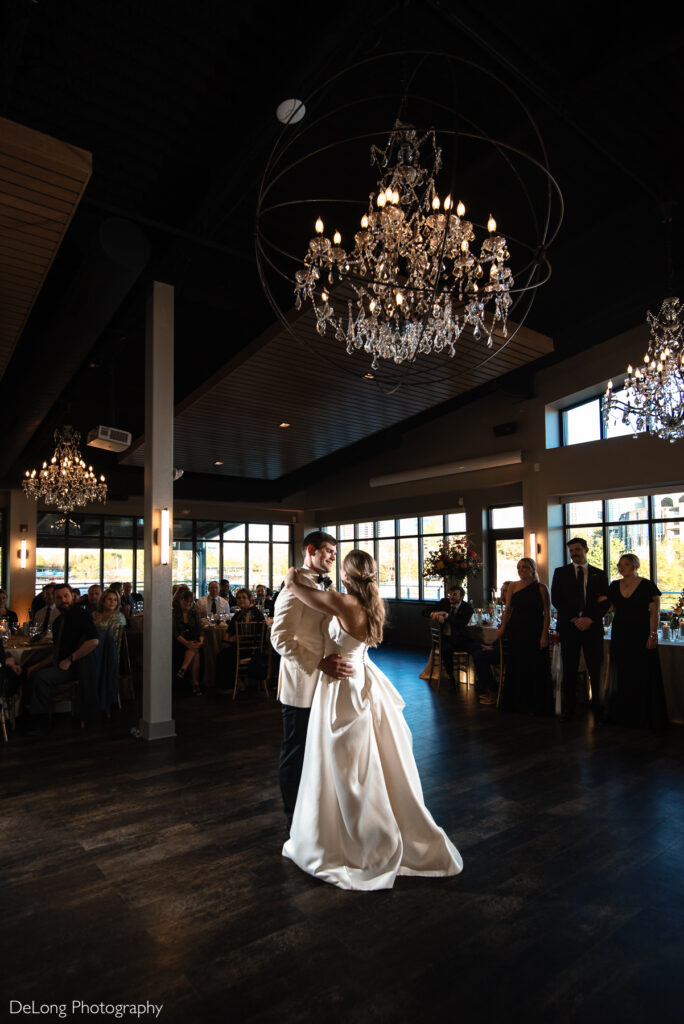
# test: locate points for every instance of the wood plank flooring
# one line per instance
(136, 872)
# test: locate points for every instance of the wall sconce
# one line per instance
(162, 536)
(22, 554)
(534, 547)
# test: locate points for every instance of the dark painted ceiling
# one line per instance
(176, 103)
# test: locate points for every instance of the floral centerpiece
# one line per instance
(677, 611)
(453, 562)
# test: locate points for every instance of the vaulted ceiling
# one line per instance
(176, 103)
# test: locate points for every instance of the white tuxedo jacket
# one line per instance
(300, 636)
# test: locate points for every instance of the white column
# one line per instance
(21, 527)
(157, 722)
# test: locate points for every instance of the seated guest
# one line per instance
(187, 637)
(213, 603)
(227, 594)
(128, 600)
(5, 612)
(264, 601)
(38, 601)
(108, 618)
(45, 616)
(227, 658)
(455, 613)
(75, 640)
(93, 598)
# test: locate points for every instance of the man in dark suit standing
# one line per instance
(579, 593)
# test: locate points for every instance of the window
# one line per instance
(399, 547)
(585, 421)
(109, 549)
(650, 526)
(505, 542)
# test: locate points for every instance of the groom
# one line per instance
(299, 635)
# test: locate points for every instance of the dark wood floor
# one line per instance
(136, 872)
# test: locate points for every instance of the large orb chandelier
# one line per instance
(409, 270)
(416, 279)
(65, 481)
(653, 397)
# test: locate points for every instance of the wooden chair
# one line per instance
(250, 640)
(435, 656)
(462, 664)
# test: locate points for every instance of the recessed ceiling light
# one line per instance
(218, 463)
(290, 111)
(284, 424)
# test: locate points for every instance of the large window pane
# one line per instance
(583, 423)
(117, 568)
(234, 563)
(408, 526)
(49, 566)
(508, 554)
(669, 572)
(386, 528)
(432, 589)
(409, 586)
(594, 538)
(258, 531)
(365, 532)
(631, 537)
(626, 510)
(233, 531)
(509, 517)
(433, 524)
(281, 563)
(182, 562)
(584, 512)
(258, 564)
(118, 528)
(669, 505)
(207, 567)
(139, 582)
(281, 532)
(456, 522)
(343, 550)
(84, 566)
(346, 531)
(387, 577)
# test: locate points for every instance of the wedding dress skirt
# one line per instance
(360, 819)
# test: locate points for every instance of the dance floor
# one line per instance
(135, 873)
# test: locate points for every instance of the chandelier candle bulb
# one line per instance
(381, 199)
(319, 226)
(364, 221)
(435, 203)
(460, 209)
(337, 238)
(491, 224)
(447, 203)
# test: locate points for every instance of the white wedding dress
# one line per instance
(360, 819)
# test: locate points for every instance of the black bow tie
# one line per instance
(325, 580)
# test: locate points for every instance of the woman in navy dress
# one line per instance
(634, 686)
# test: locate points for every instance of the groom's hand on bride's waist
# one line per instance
(336, 666)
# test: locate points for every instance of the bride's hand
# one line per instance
(291, 577)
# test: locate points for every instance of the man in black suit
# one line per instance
(579, 593)
(455, 613)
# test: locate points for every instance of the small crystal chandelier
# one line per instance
(65, 481)
(654, 392)
(414, 267)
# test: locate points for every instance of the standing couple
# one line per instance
(350, 785)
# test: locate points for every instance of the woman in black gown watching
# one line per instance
(525, 625)
(634, 687)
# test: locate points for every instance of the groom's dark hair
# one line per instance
(578, 540)
(317, 539)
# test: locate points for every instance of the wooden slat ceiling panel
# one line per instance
(42, 181)
(322, 393)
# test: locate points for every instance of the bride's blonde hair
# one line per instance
(361, 573)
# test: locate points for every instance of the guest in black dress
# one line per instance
(634, 687)
(226, 663)
(525, 626)
(5, 612)
(187, 637)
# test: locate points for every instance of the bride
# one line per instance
(360, 819)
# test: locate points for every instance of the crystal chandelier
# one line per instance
(65, 481)
(653, 399)
(415, 270)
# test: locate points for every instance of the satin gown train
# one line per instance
(360, 819)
